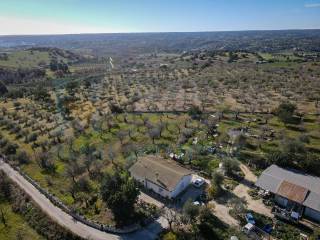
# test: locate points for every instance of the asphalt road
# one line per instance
(62, 218)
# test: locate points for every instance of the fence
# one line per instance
(82, 219)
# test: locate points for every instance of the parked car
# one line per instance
(198, 182)
(248, 228)
(250, 219)
(197, 203)
(211, 150)
(268, 228)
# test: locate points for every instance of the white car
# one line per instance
(248, 228)
(198, 182)
(196, 203)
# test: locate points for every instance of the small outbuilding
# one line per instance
(163, 176)
(297, 192)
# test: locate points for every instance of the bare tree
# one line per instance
(111, 154)
(171, 216)
(73, 170)
(161, 127)
(121, 135)
(153, 134)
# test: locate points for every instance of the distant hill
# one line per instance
(101, 44)
(36, 57)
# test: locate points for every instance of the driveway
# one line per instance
(249, 175)
(242, 189)
(222, 212)
(191, 193)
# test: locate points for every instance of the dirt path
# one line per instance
(249, 176)
(222, 212)
(242, 191)
(67, 221)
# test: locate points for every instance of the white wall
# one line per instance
(150, 185)
(182, 185)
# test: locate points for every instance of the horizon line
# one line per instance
(154, 32)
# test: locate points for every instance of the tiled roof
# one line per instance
(292, 192)
(163, 172)
(273, 177)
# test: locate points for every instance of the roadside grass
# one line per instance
(17, 227)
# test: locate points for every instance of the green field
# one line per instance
(16, 227)
(28, 59)
(129, 133)
(279, 57)
(95, 121)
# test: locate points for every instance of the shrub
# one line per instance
(115, 109)
(231, 166)
(285, 112)
(3, 142)
(22, 157)
(10, 149)
(305, 138)
(195, 112)
(170, 236)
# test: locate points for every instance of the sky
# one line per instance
(19, 17)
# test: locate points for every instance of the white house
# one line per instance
(163, 176)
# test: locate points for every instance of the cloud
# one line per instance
(27, 26)
(312, 5)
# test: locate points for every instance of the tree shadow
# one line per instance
(148, 232)
(226, 197)
(248, 183)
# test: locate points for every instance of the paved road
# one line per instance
(62, 218)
